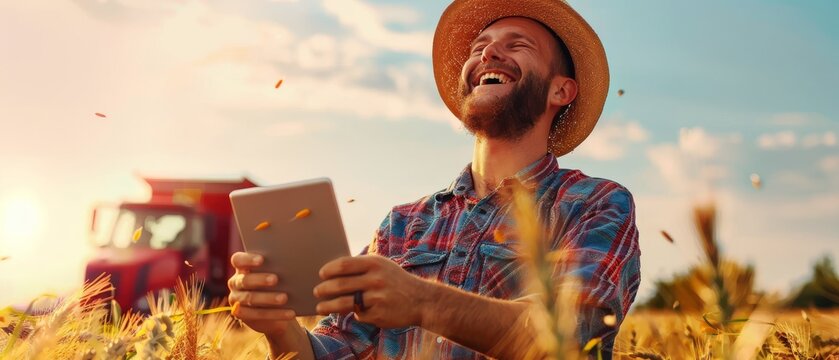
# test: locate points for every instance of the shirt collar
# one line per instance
(530, 176)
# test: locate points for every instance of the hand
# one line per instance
(393, 297)
(262, 311)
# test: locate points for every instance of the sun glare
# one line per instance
(20, 219)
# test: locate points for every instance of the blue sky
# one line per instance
(715, 91)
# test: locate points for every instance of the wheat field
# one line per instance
(715, 314)
(81, 327)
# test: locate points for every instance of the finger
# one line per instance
(251, 281)
(258, 298)
(251, 313)
(246, 261)
(340, 286)
(344, 266)
(339, 305)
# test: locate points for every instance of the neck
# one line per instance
(493, 160)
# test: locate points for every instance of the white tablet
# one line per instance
(297, 228)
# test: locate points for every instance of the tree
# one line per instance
(821, 291)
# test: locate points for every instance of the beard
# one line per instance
(510, 116)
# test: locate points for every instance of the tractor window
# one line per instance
(124, 229)
(160, 230)
(166, 230)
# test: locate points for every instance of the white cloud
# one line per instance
(330, 96)
(827, 139)
(198, 55)
(695, 164)
(699, 143)
(667, 159)
(796, 119)
(779, 140)
(368, 24)
(611, 138)
(788, 139)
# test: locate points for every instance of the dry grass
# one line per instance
(712, 323)
(81, 328)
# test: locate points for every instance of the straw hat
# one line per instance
(463, 20)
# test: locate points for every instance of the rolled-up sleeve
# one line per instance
(601, 252)
(342, 337)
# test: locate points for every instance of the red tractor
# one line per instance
(187, 229)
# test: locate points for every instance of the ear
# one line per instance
(563, 91)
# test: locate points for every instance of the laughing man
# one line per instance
(529, 79)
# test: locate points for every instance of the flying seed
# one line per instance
(620, 92)
(278, 84)
(4, 258)
(186, 262)
(262, 226)
(351, 200)
(676, 304)
(301, 214)
(756, 182)
(667, 236)
(137, 234)
(100, 115)
(498, 235)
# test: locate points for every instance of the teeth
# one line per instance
(500, 77)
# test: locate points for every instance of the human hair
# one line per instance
(562, 64)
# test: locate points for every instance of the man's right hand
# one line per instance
(261, 310)
(264, 311)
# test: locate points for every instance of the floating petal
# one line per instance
(262, 226)
(137, 234)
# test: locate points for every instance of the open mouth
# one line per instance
(494, 78)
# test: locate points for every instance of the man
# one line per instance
(528, 79)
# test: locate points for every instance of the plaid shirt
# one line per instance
(448, 237)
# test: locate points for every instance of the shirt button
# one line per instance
(439, 339)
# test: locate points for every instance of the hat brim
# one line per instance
(463, 20)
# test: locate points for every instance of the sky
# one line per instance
(714, 92)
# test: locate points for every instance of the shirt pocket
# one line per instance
(422, 263)
(501, 272)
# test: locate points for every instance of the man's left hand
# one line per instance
(393, 297)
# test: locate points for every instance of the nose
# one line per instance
(491, 52)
